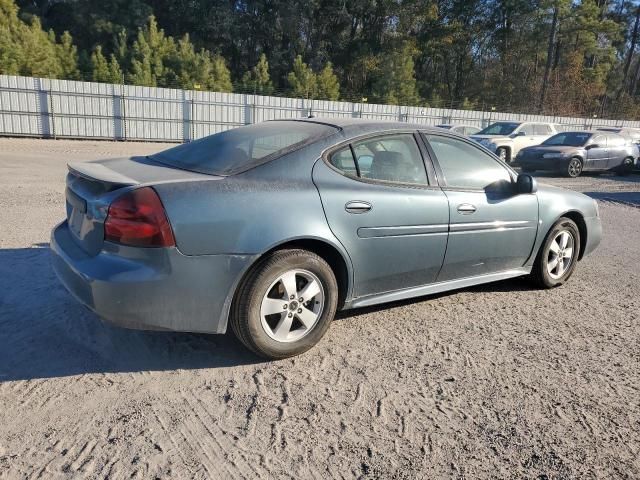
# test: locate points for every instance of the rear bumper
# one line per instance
(594, 234)
(149, 288)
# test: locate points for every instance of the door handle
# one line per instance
(357, 206)
(466, 208)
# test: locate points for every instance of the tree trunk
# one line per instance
(553, 32)
(632, 48)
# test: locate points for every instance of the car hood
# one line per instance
(553, 198)
(549, 149)
(491, 138)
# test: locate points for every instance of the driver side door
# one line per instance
(491, 228)
(524, 137)
(597, 153)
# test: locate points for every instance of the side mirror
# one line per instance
(526, 184)
(593, 145)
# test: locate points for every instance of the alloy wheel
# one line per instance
(292, 305)
(575, 167)
(560, 254)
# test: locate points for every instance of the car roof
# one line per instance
(353, 125)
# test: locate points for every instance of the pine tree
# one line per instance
(99, 66)
(396, 83)
(28, 49)
(220, 78)
(68, 57)
(327, 83)
(103, 71)
(257, 80)
(302, 80)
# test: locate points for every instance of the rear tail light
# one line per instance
(138, 218)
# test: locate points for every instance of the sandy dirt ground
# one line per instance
(498, 381)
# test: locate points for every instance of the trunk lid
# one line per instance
(92, 186)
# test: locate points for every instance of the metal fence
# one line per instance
(49, 108)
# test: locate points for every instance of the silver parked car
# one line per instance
(572, 153)
(272, 227)
(506, 139)
(459, 128)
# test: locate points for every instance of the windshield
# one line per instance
(499, 128)
(240, 149)
(570, 139)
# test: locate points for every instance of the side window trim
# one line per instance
(442, 181)
(417, 138)
(355, 160)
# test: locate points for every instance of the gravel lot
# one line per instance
(498, 381)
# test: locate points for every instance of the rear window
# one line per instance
(240, 149)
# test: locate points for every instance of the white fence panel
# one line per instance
(62, 108)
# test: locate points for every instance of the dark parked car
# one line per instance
(572, 153)
(272, 227)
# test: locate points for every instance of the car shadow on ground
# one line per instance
(626, 198)
(44, 332)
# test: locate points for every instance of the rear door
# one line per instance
(382, 203)
(597, 153)
(617, 147)
(492, 229)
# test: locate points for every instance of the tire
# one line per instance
(268, 321)
(548, 274)
(574, 168)
(626, 168)
(503, 154)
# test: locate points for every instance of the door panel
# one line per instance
(399, 242)
(491, 229)
(598, 158)
(498, 235)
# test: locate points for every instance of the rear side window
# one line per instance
(240, 149)
(466, 166)
(615, 141)
(542, 129)
(391, 158)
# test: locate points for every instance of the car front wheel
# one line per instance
(574, 168)
(558, 255)
(286, 304)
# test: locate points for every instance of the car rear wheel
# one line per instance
(286, 304)
(574, 168)
(558, 255)
(626, 168)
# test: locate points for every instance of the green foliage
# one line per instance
(396, 82)
(571, 57)
(328, 85)
(257, 80)
(302, 80)
(26, 49)
(103, 70)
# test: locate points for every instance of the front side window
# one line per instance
(466, 166)
(542, 129)
(500, 128)
(571, 139)
(391, 158)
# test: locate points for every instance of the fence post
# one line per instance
(52, 114)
